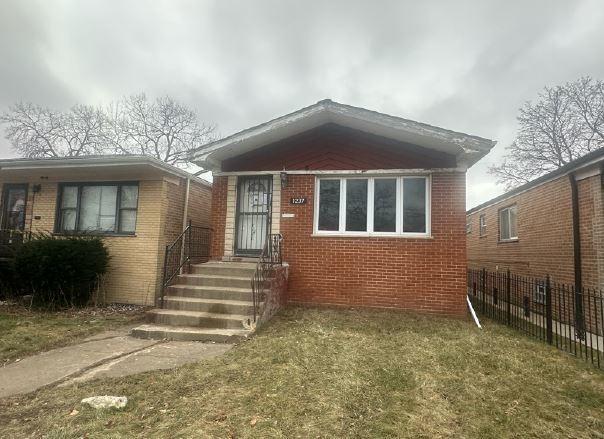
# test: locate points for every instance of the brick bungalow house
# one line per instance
(552, 225)
(370, 207)
(138, 204)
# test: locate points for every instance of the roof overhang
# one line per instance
(128, 166)
(466, 148)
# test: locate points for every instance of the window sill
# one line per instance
(369, 235)
(98, 235)
(483, 236)
(507, 241)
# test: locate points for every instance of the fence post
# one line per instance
(548, 310)
(484, 290)
(508, 298)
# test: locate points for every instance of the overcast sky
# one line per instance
(462, 65)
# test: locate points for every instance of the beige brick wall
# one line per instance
(136, 263)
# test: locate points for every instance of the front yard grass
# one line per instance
(25, 332)
(341, 373)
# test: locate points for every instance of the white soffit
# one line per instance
(467, 148)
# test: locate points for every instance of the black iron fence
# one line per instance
(10, 240)
(191, 247)
(270, 257)
(558, 314)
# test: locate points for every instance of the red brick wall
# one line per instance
(545, 233)
(425, 275)
(218, 217)
(338, 148)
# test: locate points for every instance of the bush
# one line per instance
(61, 271)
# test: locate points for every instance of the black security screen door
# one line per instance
(13, 207)
(253, 214)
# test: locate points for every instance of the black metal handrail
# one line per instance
(10, 240)
(192, 245)
(270, 257)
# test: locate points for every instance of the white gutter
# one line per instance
(184, 220)
(472, 312)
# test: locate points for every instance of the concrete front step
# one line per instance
(225, 269)
(187, 333)
(215, 281)
(173, 317)
(210, 292)
(216, 306)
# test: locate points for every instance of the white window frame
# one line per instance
(370, 206)
(482, 225)
(507, 210)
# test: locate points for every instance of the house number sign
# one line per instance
(298, 200)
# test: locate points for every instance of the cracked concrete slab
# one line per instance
(53, 366)
(160, 356)
(109, 354)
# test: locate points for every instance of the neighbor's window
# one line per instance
(104, 208)
(376, 205)
(482, 225)
(468, 227)
(507, 223)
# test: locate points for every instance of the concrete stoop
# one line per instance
(212, 304)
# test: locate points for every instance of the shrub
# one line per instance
(61, 271)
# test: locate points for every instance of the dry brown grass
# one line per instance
(341, 373)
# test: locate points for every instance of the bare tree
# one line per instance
(163, 128)
(565, 123)
(36, 131)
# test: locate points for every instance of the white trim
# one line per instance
(393, 172)
(90, 162)
(398, 233)
(465, 147)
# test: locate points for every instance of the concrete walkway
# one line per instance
(110, 354)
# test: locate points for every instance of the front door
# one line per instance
(14, 198)
(253, 214)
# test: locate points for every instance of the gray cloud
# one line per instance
(465, 65)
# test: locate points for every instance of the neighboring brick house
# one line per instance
(138, 204)
(371, 207)
(535, 229)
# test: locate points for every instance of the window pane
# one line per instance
(329, 205)
(128, 221)
(504, 224)
(97, 208)
(414, 205)
(129, 196)
(384, 205)
(69, 197)
(513, 232)
(68, 220)
(356, 205)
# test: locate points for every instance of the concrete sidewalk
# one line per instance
(110, 354)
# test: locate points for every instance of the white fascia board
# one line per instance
(420, 171)
(90, 162)
(466, 148)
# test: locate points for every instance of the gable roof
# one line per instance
(587, 160)
(95, 162)
(467, 148)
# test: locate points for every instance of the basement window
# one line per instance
(507, 224)
(106, 208)
(383, 206)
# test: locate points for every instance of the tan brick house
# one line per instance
(138, 204)
(553, 225)
(370, 207)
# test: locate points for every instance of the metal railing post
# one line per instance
(548, 311)
(508, 297)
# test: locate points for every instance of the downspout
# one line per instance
(579, 323)
(184, 221)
